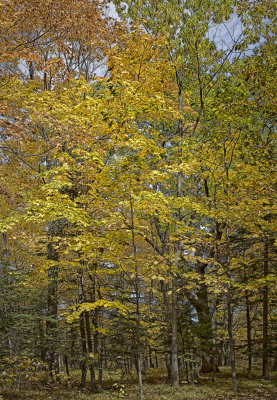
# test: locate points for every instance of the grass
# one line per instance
(156, 387)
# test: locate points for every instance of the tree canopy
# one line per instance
(137, 188)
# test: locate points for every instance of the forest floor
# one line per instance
(156, 387)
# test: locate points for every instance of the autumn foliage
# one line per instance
(137, 189)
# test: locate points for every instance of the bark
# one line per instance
(227, 165)
(66, 365)
(168, 364)
(174, 311)
(164, 289)
(249, 328)
(231, 343)
(150, 357)
(156, 359)
(249, 339)
(52, 314)
(230, 316)
(274, 367)
(137, 294)
(83, 363)
(265, 315)
(100, 364)
(42, 343)
(201, 303)
(98, 343)
(174, 345)
(90, 351)
(196, 371)
(138, 341)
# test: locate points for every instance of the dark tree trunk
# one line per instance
(150, 357)
(100, 364)
(249, 339)
(137, 294)
(156, 359)
(90, 351)
(165, 288)
(52, 314)
(83, 363)
(265, 315)
(230, 314)
(208, 364)
(174, 345)
(168, 364)
(42, 343)
(274, 367)
(66, 365)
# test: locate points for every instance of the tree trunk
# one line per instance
(42, 344)
(66, 365)
(274, 367)
(90, 351)
(230, 316)
(164, 289)
(174, 345)
(174, 311)
(156, 359)
(249, 328)
(227, 165)
(208, 364)
(249, 339)
(265, 315)
(83, 363)
(100, 364)
(52, 314)
(137, 294)
(150, 357)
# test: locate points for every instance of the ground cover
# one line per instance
(156, 387)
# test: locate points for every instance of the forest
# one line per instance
(138, 187)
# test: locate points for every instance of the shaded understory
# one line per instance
(156, 387)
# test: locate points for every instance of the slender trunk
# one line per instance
(265, 315)
(42, 344)
(164, 289)
(100, 364)
(66, 365)
(227, 165)
(83, 363)
(168, 364)
(196, 366)
(93, 348)
(174, 345)
(137, 294)
(138, 338)
(73, 346)
(230, 314)
(249, 339)
(231, 341)
(187, 371)
(90, 350)
(145, 359)
(230, 318)
(52, 313)
(174, 319)
(191, 372)
(214, 357)
(150, 357)
(274, 367)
